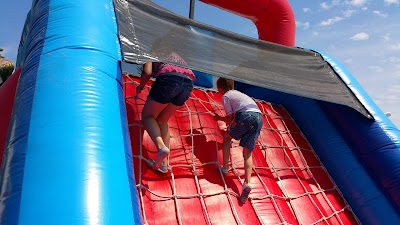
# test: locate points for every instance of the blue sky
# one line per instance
(364, 35)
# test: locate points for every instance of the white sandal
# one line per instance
(163, 168)
(246, 189)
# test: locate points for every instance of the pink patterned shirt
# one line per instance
(160, 68)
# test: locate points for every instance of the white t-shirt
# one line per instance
(235, 101)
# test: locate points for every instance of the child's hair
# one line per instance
(225, 84)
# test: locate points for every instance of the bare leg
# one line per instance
(165, 135)
(226, 149)
(150, 112)
(248, 164)
(162, 122)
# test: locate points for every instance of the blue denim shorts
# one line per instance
(171, 88)
(246, 127)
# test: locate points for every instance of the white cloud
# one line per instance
(395, 2)
(306, 10)
(357, 3)
(386, 37)
(394, 59)
(330, 21)
(379, 13)
(315, 33)
(326, 5)
(395, 47)
(349, 61)
(377, 69)
(360, 37)
(304, 25)
(349, 13)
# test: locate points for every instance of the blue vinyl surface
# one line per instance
(70, 144)
(68, 158)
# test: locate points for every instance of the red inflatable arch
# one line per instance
(274, 19)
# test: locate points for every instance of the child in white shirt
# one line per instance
(245, 122)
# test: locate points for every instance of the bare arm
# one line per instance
(226, 119)
(145, 76)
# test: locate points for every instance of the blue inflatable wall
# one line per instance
(68, 157)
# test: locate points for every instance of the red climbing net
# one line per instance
(290, 185)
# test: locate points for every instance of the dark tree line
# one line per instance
(6, 67)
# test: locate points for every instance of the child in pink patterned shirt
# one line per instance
(168, 93)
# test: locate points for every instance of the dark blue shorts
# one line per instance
(170, 88)
(246, 127)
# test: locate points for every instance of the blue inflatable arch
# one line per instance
(68, 156)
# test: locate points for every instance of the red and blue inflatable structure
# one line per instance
(67, 155)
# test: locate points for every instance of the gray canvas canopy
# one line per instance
(149, 32)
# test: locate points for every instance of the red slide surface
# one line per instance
(290, 186)
(7, 96)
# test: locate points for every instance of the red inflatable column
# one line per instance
(274, 19)
(7, 95)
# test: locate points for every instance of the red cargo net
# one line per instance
(290, 185)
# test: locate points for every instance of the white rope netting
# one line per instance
(290, 185)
